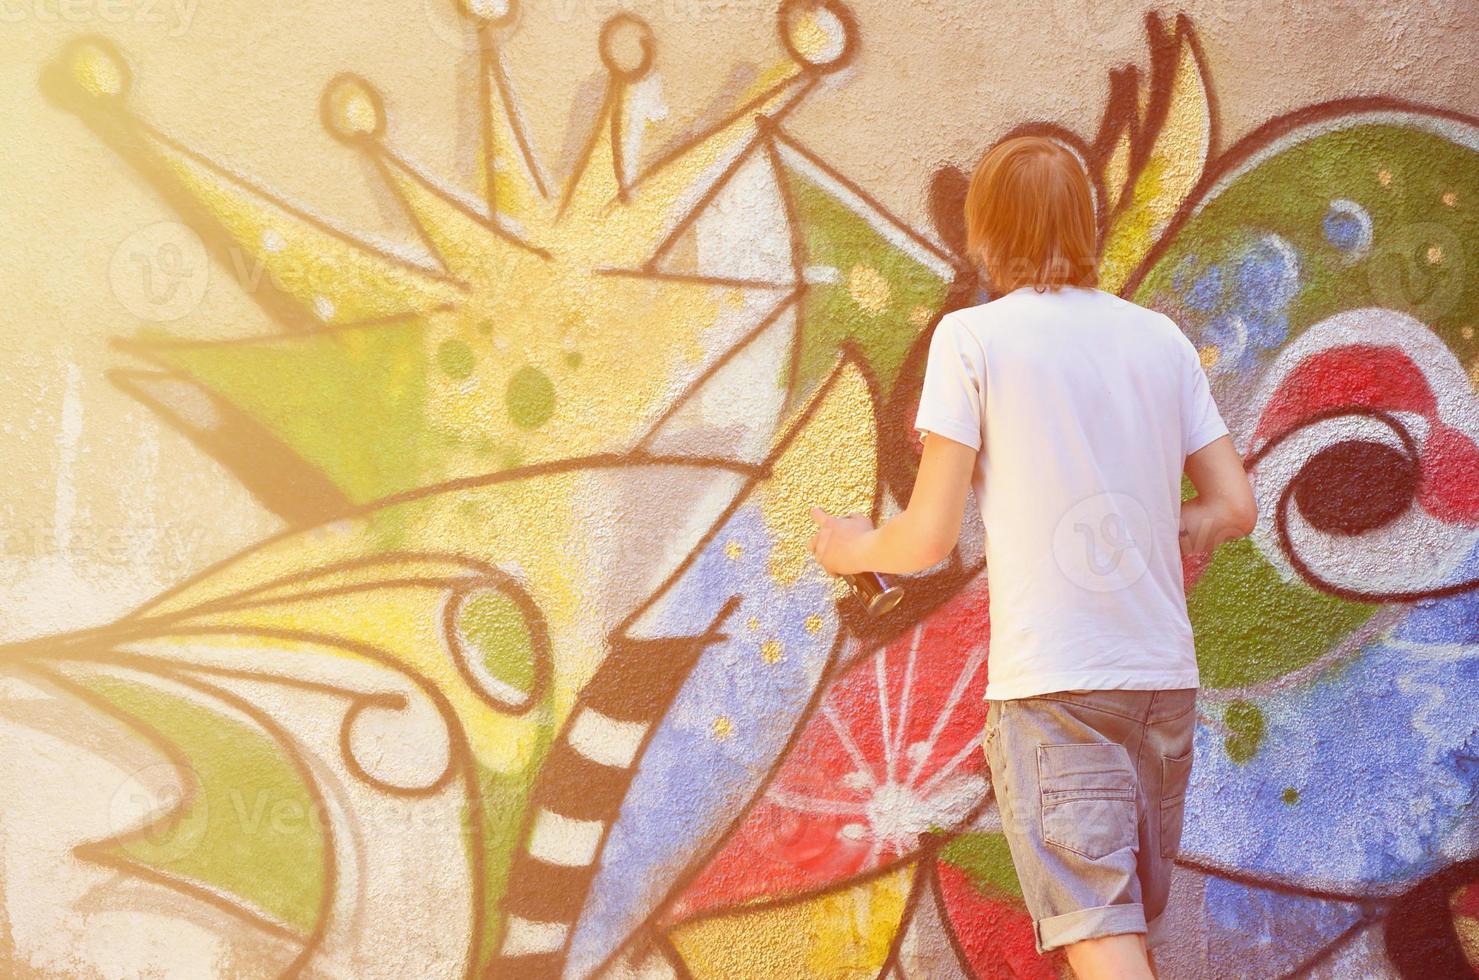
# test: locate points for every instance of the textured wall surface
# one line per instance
(412, 413)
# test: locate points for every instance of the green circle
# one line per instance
(530, 397)
(573, 358)
(1244, 721)
(1290, 795)
(455, 359)
(495, 627)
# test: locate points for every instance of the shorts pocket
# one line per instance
(1088, 797)
(1175, 775)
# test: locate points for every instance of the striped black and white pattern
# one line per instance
(579, 794)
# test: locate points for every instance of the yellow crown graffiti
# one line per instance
(513, 340)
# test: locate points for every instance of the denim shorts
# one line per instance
(1091, 788)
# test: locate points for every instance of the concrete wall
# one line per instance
(412, 414)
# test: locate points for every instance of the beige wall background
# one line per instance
(481, 652)
(104, 505)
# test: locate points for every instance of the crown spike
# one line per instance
(97, 69)
(819, 35)
(352, 109)
(600, 176)
(464, 242)
(313, 274)
(515, 189)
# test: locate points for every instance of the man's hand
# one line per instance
(834, 546)
(1223, 508)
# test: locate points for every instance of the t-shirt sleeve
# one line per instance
(952, 399)
(1201, 423)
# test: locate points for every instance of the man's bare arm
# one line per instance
(1223, 507)
(926, 532)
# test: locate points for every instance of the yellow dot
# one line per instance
(1209, 355)
(753, 624)
(1384, 177)
(723, 727)
(813, 623)
(352, 108)
(818, 36)
(486, 9)
(770, 651)
(733, 549)
(868, 289)
(919, 317)
(1468, 333)
(1450, 198)
(98, 69)
(1435, 254)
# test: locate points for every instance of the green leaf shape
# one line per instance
(250, 825)
(1415, 183)
(879, 289)
(1251, 625)
(352, 402)
(986, 861)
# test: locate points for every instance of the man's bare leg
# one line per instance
(1119, 957)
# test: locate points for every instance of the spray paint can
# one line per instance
(877, 593)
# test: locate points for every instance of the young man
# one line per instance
(1073, 414)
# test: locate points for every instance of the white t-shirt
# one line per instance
(1085, 407)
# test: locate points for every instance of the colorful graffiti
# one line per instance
(540, 681)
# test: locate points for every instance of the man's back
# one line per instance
(1085, 407)
(1073, 413)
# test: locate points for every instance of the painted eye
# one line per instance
(1355, 486)
(1363, 487)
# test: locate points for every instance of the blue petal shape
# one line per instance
(1266, 329)
(1205, 294)
(693, 782)
(1276, 930)
(1267, 275)
(1382, 751)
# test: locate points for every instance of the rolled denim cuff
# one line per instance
(1104, 920)
(1155, 931)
